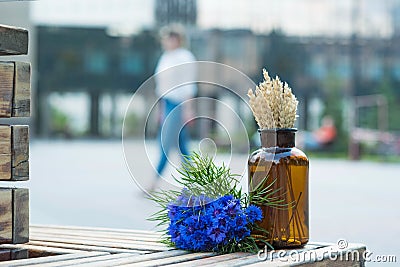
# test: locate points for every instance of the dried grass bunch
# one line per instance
(273, 103)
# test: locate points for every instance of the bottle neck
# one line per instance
(284, 138)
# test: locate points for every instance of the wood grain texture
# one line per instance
(5, 152)
(20, 153)
(15, 89)
(76, 241)
(14, 152)
(14, 219)
(19, 253)
(6, 218)
(21, 215)
(7, 254)
(21, 106)
(13, 40)
(43, 260)
(6, 88)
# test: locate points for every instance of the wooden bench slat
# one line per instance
(7, 254)
(172, 260)
(113, 244)
(85, 247)
(14, 219)
(96, 229)
(121, 236)
(212, 260)
(42, 260)
(20, 215)
(14, 152)
(140, 258)
(15, 89)
(42, 250)
(6, 232)
(14, 40)
(6, 88)
(136, 241)
(86, 260)
(21, 106)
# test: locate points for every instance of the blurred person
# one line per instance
(321, 137)
(169, 79)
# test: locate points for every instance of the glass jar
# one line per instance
(282, 170)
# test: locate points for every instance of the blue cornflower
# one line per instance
(216, 234)
(198, 240)
(239, 220)
(225, 199)
(241, 233)
(172, 211)
(232, 207)
(253, 213)
(215, 209)
(200, 225)
(173, 231)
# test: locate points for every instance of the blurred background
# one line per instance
(342, 59)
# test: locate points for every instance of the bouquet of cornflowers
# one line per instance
(211, 213)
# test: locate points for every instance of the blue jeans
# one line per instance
(172, 133)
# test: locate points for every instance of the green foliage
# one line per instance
(59, 121)
(133, 125)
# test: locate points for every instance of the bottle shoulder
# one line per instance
(276, 153)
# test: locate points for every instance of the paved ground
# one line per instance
(88, 184)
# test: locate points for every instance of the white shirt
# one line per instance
(169, 80)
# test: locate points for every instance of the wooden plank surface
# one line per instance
(139, 246)
(14, 219)
(138, 259)
(212, 260)
(86, 247)
(6, 88)
(83, 261)
(123, 251)
(138, 236)
(5, 152)
(7, 254)
(6, 223)
(128, 239)
(172, 260)
(111, 231)
(14, 152)
(21, 215)
(40, 251)
(49, 259)
(20, 153)
(15, 89)
(13, 40)
(21, 106)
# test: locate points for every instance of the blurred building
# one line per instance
(395, 15)
(178, 11)
(90, 60)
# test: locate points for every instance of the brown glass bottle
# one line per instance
(279, 165)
